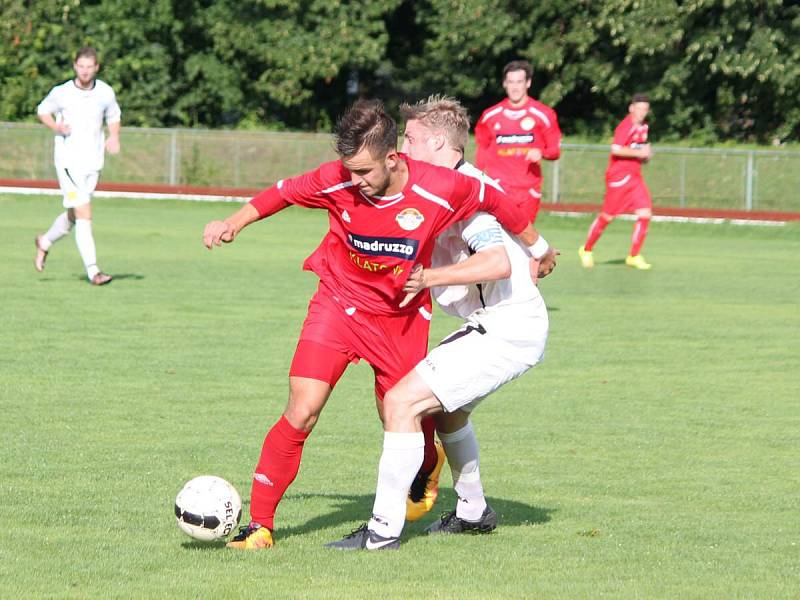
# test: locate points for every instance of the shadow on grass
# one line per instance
(615, 261)
(119, 277)
(350, 511)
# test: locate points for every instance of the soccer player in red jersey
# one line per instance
(385, 211)
(513, 136)
(625, 189)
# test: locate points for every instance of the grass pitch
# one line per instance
(654, 454)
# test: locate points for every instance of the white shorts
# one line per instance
(76, 187)
(471, 363)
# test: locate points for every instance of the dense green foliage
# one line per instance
(716, 69)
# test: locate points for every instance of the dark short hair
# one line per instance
(365, 125)
(519, 65)
(639, 97)
(86, 52)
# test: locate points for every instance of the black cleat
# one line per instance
(450, 523)
(364, 538)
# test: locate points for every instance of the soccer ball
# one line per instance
(208, 508)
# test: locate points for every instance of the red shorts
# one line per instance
(392, 345)
(527, 198)
(625, 195)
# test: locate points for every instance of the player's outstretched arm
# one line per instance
(217, 232)
(489, 264)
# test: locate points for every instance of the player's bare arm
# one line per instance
(60, 128)
(643, 152)
(112, 143)
(489, 264)
(217, 232)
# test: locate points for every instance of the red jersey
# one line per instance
(504, 135)
(373, 242)
(626, 135)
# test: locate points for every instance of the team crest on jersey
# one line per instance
(409, 219)
(345, 216)
(527, 123)
(497, 126)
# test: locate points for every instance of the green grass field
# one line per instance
(654, 454)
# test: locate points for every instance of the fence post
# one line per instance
(748, 190)
(554, 189)
(683, 181)
(173, 158)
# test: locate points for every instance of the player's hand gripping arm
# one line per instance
(490, 264)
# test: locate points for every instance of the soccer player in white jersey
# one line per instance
(75, 111)
(503, 336)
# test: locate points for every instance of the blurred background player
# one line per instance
(625, 189)
(385, 212)
(503, 336)
(513, 136)
(80, 106)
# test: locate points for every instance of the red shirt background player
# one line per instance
(513, 136)
(385, 212)
(625, 189)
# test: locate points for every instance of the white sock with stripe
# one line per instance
(85, 241)
(401, 459)
(60, 227)
(463, 457)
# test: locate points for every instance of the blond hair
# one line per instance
(441, 114)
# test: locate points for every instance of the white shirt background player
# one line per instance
(76, 111)
(503, 336)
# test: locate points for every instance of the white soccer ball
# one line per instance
(208, 508)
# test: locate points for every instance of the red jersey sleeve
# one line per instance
(621, 134)
(483, 139)
(552, 138)
(469, 195)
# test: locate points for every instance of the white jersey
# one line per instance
(479, 232)
(84, 111)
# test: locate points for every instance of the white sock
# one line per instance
(463, 456)
(85, 241)
(401, 459)
(60, 227)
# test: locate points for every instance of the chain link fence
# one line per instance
(677, 177)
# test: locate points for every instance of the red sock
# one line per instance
(277, 467)
(431, 456)
(639, 233)
(595, 231)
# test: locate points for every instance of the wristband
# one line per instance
(539, 248)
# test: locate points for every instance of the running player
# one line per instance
(626, 190)
(513, 136)
(503, 336)
(385, 212)
(80, 106)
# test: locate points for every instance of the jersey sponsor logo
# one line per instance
(409, 219)
(527, 123)
(404, 248)
(373, 266)
(515, 138)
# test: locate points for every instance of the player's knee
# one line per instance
(397, 409)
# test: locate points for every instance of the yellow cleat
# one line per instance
(638, 262)
(587, 259)
(252, 537)
(424, 491)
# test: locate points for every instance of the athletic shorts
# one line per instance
(76, 187)
(527, 198)
(392, 345)
(626, 195)
(472, 362)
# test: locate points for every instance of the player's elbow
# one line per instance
(498, 265)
